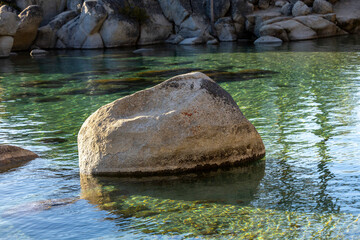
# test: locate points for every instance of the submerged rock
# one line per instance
(183, 124)
(12, 156)
(27, 31)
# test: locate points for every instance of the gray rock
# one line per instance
(280, 3)
(300, 9)
(93, 41)
(193, 26)
(274, 31)
(221, 7)
(9, 21)
(49, 8)
(263, 4)
(241, 7)
(268, 40)
(184, 124)
(322, 7)
(143, 50)
(174, 39)
(12, 156)
(212, 42)
(296, 30)
(6, 43)
(156, 28)
(321, 26)
(119, 31)
(287, 9)
(30, 19)
(74, 5)
(225, 29)
(46, 37)
(174, 10)
(191, 41)
(74, 33)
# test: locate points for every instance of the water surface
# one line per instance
(303, 98)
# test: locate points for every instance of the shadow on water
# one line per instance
(235, 186)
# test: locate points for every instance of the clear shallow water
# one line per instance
(303, 98)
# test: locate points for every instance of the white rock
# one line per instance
(268, 40)
(38, 52)
(143, 50)
(191, 41)
(6, 43)
(186, 123)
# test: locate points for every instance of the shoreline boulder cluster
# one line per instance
(94, 24)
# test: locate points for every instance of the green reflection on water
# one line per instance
(305, 105)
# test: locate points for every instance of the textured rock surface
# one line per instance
(74, 34)
(185, 123)
(321, 26)
(268, 40)
(47, 34)
(50, 8)
(225, 29)
(119, 31)
(12, 156)
(300, 9)
(6, 43)
(9, 21)
(322, 7)
(30, 20)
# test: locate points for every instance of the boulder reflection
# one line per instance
(234, 186)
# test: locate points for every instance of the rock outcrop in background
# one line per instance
(93, 24)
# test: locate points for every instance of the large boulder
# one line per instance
(6, 43)
(300, 9)
(30, 20)
(225, 29)
(296, 31)
(185, 123)
(321, 26)
(46, 37)
(322, 7)
(9, 23)
(155, 28)
(50, 8)
(77, 32)
(12, 156)
(118, 30)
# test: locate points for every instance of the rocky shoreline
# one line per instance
(94, 24)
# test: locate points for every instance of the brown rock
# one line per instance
(30, 20)
(186, 123)
(12, 156)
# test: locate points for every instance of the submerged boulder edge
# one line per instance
(187, 123)
(13, 156)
